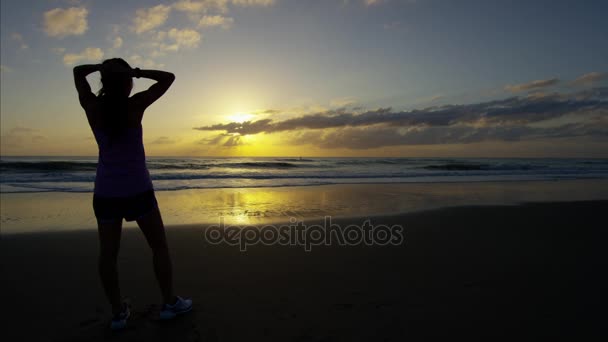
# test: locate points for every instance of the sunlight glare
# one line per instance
(240, 117)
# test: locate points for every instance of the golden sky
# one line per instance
(316, 78)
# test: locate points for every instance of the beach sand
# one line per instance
(522, 271)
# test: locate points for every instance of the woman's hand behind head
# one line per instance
(116, 78)
(116, 66)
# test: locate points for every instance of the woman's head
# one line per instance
(116, 78)
(117, 84)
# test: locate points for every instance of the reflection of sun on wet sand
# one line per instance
(257, 206)
(529, 270)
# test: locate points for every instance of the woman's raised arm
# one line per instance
(163, 80)
(85, 95)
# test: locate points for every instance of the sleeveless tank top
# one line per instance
(121, 167)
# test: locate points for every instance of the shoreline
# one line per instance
(31, 212)
(426, 182)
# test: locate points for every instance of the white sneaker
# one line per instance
(120, 321)
(180, 306)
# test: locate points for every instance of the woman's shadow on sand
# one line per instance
(144, 325)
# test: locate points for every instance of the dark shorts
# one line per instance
(112, 209)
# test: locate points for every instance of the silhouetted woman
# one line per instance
(123, 189)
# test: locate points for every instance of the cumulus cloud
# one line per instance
(178, 39)
(532, 85)
(145, 63)
(60, 22)
(216, 20)
(89, 54)
(590, 78)
(193, 7)
(204, 13)
(253, 2)
(190, 6)
(515, 118)
(147, 19)
(117, 42)
(201, 6)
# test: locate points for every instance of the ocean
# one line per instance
(77, 174)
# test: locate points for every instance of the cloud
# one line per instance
(190, 6)
(590, 78)
(234, 140)
(187, 38)
(19, 39)
(65, 22)
(117, 42)
(201, 6)
(147, 19)
(151, 18)
(225, 139)
(377, 137)
(369, 3)
(89, 54)
(267, 111)
(436, 98)
(221, 6)
(516, 118)
(163, 141)
(115, 38)
(216, 20)
(343, 101)
(146, 63)
(253, 2)
(532, 85)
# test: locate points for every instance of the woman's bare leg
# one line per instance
(154, 230)
(109, 245)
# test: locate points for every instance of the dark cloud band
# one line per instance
(514, 110)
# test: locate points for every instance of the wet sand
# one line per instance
(523, 271)
(56, 211)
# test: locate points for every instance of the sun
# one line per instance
(240, 117)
